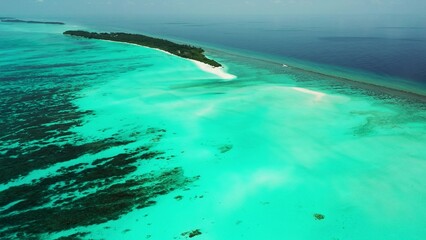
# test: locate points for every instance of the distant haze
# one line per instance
(203, 7)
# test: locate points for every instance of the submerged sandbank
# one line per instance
(358, 78)
(318, 95)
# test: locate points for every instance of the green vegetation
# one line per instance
(181, 50)
(12, 20)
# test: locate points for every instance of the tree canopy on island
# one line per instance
(13, 20)
(181, 50)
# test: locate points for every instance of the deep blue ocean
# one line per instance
(388, 46)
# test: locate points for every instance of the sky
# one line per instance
(207, 7)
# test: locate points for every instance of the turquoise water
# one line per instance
(106, 140)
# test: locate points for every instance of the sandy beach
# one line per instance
(219, 71)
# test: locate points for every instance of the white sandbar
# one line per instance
(218, 71)
(318, 95)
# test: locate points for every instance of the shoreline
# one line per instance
(218, 71)
(181, 50)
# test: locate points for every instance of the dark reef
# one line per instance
(37, 132)
(319, 216)
(181, 50)
(12, 20)
(192, 234)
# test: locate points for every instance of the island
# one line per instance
(181, 50)
(13, 20)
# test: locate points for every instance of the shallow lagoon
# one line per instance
(257, 157)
